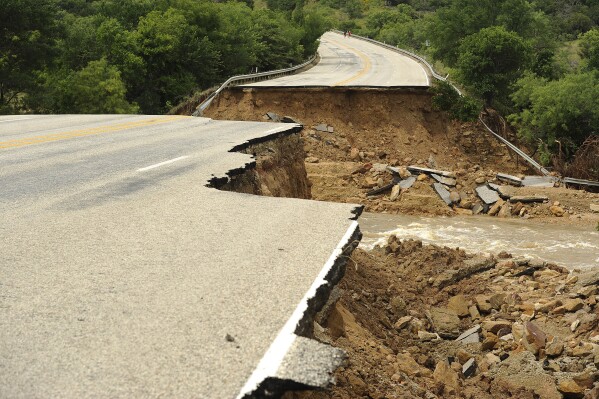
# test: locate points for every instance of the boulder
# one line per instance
(458, 304)
(445, 322)
(495, 326)
(535, 338)
(406, 364)
(569, 388)
(554, 347)
(447, 378)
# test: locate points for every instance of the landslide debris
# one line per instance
(350, 136)
(422, 321)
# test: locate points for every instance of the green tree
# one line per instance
(463, 18)
(566, 110)
(490, 61)
(27, 34)
(589, 46)
(99, 89)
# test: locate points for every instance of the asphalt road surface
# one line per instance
(123, 275)
(351, 62)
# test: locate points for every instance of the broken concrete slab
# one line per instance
(443, 193)
(418, 169)
(488, 196)
(528, 198)
(330, 129)
(471, 266)
(273, 116)
(322, 127)
(470, 336)
(407, 183)
(509, 179)
(383, 189)
(448, 181)
(539, 181)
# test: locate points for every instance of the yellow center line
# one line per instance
(85, 132)
(363, 57)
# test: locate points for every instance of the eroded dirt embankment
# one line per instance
(279, 170)
(401, 307)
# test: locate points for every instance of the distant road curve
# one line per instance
(350, 62)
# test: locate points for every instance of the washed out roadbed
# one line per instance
(421, 321)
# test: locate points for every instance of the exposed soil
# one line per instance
(375, 128)
(402, 307)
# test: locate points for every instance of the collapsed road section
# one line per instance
(125, 275)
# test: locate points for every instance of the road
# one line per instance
(123, 275)
(351, 62)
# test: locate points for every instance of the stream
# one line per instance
(573, 247)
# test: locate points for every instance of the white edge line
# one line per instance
(162, 163)
(15, 120)
(272, 359)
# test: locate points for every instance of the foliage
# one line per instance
(158, 51)
(558, 114)
(26, 31)
(462, 108)
(491, 60)
(589, 44)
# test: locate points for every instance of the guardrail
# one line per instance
(437, 76)
(415, 56)
(252, 77)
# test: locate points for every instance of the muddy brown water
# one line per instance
(570, 246)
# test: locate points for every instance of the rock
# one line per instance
(583, 349)
(557, 210)
(447, 378)
(554, 347)
(395, 191)
(469, 368)
(585, 380)
(517, 331)
(428, 336)
(471, 266)
(490, 342)
(496, 207)
(470, 336)
(459, 304)
(477, 209)
(445, 322)
(588, 278)
(398, 306)
(504, 211)
(495, 326)
(535, 338)
(422, 177)
(570, 388)
(312, 160)
(480, 180)
(454, 197)
(573, 305)
(548, 306)
(358, 385)
(497, 300)
(483, 304)
(473, 310)
(354, 154)
(403, 322)
(407, 364)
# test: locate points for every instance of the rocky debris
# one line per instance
(443, 193)
(509, 179)
(420, 318)
(323, 127)
(445, 322)
(527, 199)
(488, 196)
(407, 183)
(446, 181)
